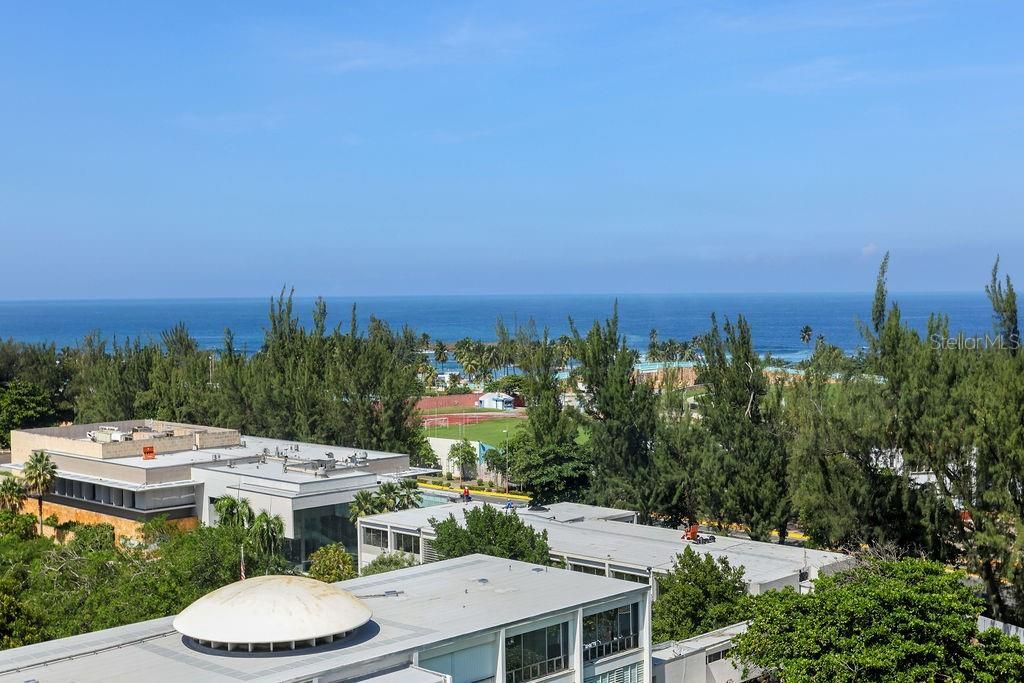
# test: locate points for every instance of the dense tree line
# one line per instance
(916, 442)
(339, 385)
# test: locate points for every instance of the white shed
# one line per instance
(496, 399)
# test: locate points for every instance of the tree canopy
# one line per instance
(698, 595)
(893, 621)
(490, 531)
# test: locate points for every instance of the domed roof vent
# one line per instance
(271, 614)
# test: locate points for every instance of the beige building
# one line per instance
(125, 473)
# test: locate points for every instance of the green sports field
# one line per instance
(488, 431)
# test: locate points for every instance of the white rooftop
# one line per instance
(577, 512)
(636, 545)
(251, 447)
(412, 608)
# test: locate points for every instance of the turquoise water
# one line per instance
(776, 319)
(432, 499)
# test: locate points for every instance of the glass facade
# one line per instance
(629, 576)
(407, 543)
(378, 538)
(317, 527)
(612, 631)
(535, 654)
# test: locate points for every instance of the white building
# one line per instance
(470, 619)
(701, 659)
(125, 473)
(496, 400)
(595, 540)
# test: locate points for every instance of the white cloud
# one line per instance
(869, 249)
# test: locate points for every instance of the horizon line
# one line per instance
(494, 295)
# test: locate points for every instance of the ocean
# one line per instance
(775, 319)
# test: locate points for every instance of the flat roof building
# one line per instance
(124, 473)
(702, 659)
(474, 618)
(595, 540)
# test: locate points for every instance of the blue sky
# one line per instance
(223, 149)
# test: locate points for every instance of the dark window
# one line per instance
(627, 576)
(536, 654)
(407, 543)
(375, 537)
(614, 630)
(586, 569)
(715, 656)
(316, 527)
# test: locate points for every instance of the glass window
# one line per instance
(407, 543)
(316, 527)
(627, 576)
(612, 631)
(536, 654)
(587, 569)
(375, 537)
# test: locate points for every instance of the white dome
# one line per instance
(272, 613)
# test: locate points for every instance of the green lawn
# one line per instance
(488, 431)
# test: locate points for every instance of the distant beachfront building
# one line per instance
(595, 540)
(466, 620)
(496, 400)
(125, 473)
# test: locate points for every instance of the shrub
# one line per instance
(389, 562)
(331, 563)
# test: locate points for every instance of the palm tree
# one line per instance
(266, 533)
(471, 366)
(805, 334)
(38, 475)
(440, 353)
(409, 495)
(363, 503)
(429, 375)
(387, 497)
(12, 494)
(234, 512)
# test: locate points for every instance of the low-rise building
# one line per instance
(469, 619)
(125, 473)
(595, 540)
(496, 400)
(702, 659)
